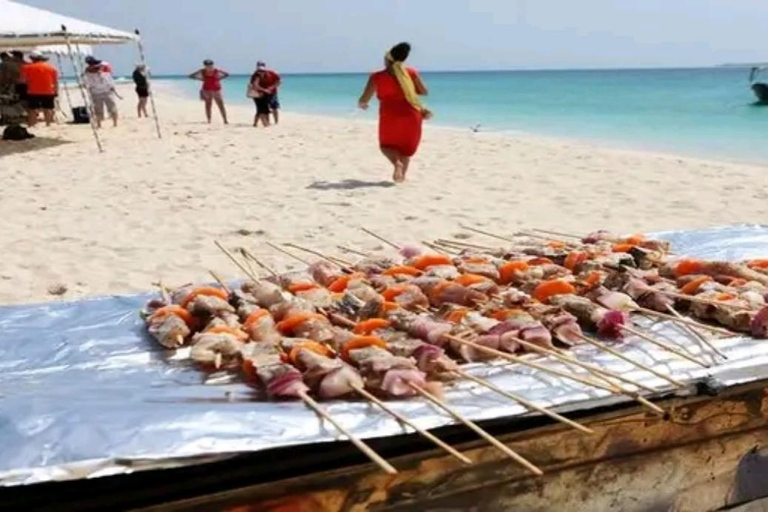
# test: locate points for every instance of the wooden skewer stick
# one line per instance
(318, 254)
(662, 345)
(163, 292)
(405, 421)
(556, 233)
(621, 356)
(680, 319)
(221, 282)
(486, 233)
(582, 380)
(287, 253)
(367, 450)
(696, 333)
(700, 300)
(354, 251)
(251, 275)
(438, 249)
(587, 366)
(479, 431)
(545, 238)
(459, 243)
(381, 239)
(250, 256)
(523, 401)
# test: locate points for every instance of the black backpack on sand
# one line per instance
(16, 132)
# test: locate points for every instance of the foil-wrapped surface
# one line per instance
(84, 392)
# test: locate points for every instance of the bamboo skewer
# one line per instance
(405, 421)
(221, 282)
(545, 238)
(252, 257)
(479, 431)
(367, 450)
(318, 254)
(486, 233)
(438, 249)
(621, 356)
(354, 251)
(248, 273)
(459, 243)
(682, 320)
(696, 333)
(556, 233)
(526, 403)
(693, 298)
(381, 239)
(554, 371)
(287, 253)
(587, 366)
(662, 345)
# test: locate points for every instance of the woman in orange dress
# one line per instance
(400, 112)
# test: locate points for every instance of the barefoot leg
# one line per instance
(405, 161)
(394, 157)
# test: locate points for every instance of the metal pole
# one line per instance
(82, 89)
(62, 85)
(149, 86)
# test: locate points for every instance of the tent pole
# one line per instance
(82, 89)
(61, 81)
(149, 86)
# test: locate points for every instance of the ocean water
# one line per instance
(701, 112)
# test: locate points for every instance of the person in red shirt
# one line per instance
(211, 89)
(42, 81)
(270, 81)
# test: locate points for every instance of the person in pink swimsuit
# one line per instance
(211, 89)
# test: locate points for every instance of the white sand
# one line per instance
(148, 208)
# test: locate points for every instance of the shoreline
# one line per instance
(149, 209)
(597, 144)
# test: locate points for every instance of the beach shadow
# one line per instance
(15, 147)
(349, 185)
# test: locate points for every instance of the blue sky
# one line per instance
(352, 35)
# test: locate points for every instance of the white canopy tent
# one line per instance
(29, 28)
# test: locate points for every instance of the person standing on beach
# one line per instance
(42, 81)
(400, 111)
(101, 86)
(270, 81)
(211, 89)
(142, 88)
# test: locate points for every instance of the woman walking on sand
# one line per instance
(211, 89)
(400, 111)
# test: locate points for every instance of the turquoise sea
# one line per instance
(701, 112)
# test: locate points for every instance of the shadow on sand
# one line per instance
(15, 147)
(349, 185)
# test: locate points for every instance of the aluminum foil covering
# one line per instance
(84, 392)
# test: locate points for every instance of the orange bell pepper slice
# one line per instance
(387, 306)
(290, 324)
(359, 342)
(593, 279)
(508, 270)
(204, 290)
(406, 270)
(225, 329)
(737, 281)
(425, 261)
(302, 287)
(254, 317)
(761, 264)
(470, 279)
(547, 289)
(434, 293)
(693, 286)
(636, 239)
(556, 244)
(368, 326)
(689, 266)
(457, 315)
(622, 247)
(724, 296)
(476, 259)
(392, 292)
(341, 283)
(540, 261)
(312, 346)
(176, 311)
(575, 258)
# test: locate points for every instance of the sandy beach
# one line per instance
(149, 209)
